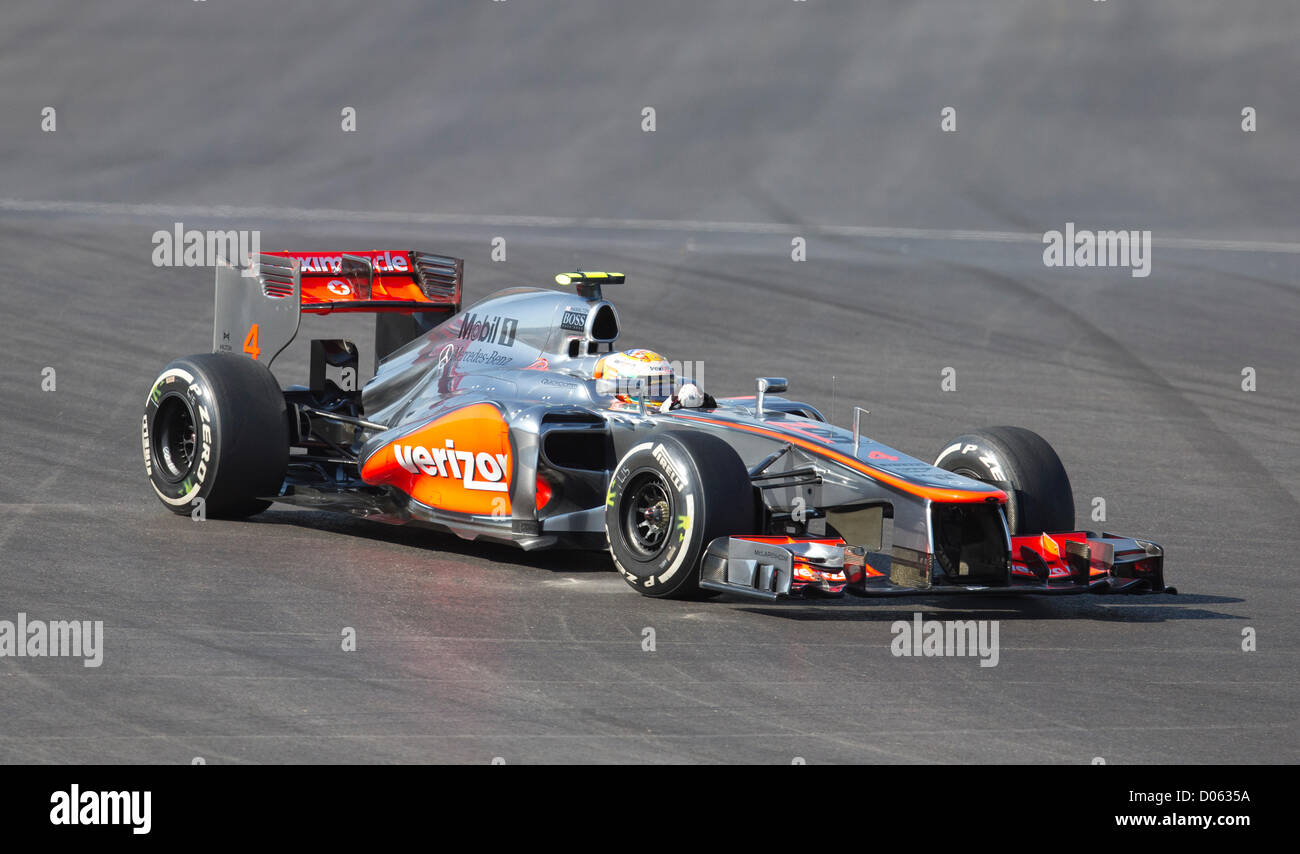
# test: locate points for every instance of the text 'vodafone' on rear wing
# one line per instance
(258, 307)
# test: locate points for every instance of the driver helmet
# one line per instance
(620, 373)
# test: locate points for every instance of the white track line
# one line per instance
(243, 212)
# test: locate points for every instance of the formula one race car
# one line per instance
(515, 420)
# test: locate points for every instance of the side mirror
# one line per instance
(776, 385)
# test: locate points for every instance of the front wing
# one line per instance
(774, 568)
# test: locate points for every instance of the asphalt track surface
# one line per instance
(774, 120)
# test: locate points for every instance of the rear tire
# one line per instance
(216, 428)
(669, 497)
(1022, 464)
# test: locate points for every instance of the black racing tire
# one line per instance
(215, 427)
(1022, 464)
(669, 497)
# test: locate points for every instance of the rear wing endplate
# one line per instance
(257, 309)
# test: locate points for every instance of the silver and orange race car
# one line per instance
(497, 422)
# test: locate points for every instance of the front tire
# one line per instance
(1022, 464)
(215, 428)
(669, 497)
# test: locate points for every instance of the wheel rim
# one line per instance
(175, 440)
(647, 514)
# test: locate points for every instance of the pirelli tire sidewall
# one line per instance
(710, 496)
(1022, 464)
(234, 412)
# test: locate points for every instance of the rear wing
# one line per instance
(258, 308)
